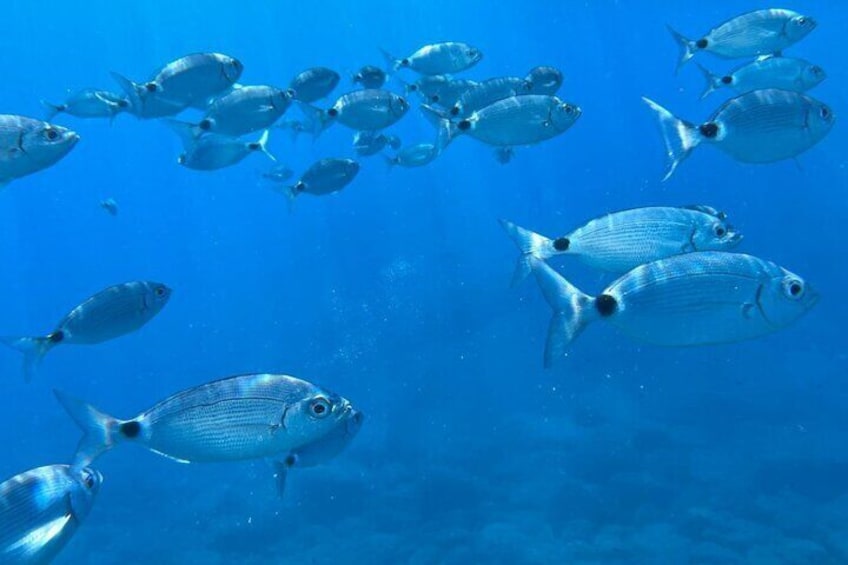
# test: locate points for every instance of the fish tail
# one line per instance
(262, 145)
(680, 137)
(447, 130)
(187, 132)
(531, 244)
(100, 432)
(392, 62)
(391, 162)
(130, 88)
(317, 119)
(34, 350)
(572, 309)
(687, 47)
(713, 81)
(52, 109)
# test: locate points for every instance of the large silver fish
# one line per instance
(621, 241)
(361, 110)
(241, 417)
(41, 509)
(320, 451)
(324, 177)
(213, 151)
(112, 312)
(438, 58)
(488, 92)
(89, 103)
(314, 84)
(244, 110)
(28, 146)
(762, 32)
(784, 73)
(762, 126)
(700, 298)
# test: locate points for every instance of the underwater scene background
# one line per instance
(395, 293)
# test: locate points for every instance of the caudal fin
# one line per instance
(187, 132)
(317, 120)
(572, 309)
(130, 88)
(52, 110)
(262, 145)
(714, 82)
(680, 137)
(447, 130)
(531, 244)
(392, 62)
(687, 47)
(99, 430)
(34, 350)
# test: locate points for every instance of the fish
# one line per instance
(320, 451)
(214, 151)
(442, 90)
(294, 127)
(279, 173)
(361, 110)
(437, 58)
(244, 110)
(504, 155)
(487, 93)
(314, 84)
(762, 126)
(370, 76)
(28, 145)
(520, 120)
(761, 32)
(110, 313)
(188, 81)
(416, 155)
(367, 143)
(41, 510)
(324, 177)
(89, 103)
(784, 73)
(236, 418)
(110, 206)
(623, 240)
(544, 80)
(700, 298)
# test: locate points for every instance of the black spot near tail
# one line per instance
(332, 112)
(290, 460)
(464, 125)
(454, 111)
(726, 79)
(708, 130)
(404, 63)
(702, 43)
(56, 337)
(205, 125)
(562, 244)
(130, 429)
(606, 305)
(150, 87)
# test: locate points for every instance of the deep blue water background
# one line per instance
(395, 294)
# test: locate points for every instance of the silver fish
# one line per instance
(761, 32)
(279, 173)
(324, 177)
(314, 84)
(367, 143)
(28, 146)
(112, 312)
(110, 206)
(241, 417)
(214, 151)
(487, 93)
(621, 241)
(41, 510)
(416, 155)
(442, 90)
(244, 110)
(320, 451)
(784, 73)
(361, 110)
(762, 126)
(438, 58)
(89, 103)
(294, 127)
(544, 80)
(370, 76)
(700, 298)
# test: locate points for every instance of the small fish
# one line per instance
(324, 177)
(41, 510)
(762, 32)
(544, 80)
(213, 151)
(442, 90)
(112, 312)
(314, 84)
(28, 146)
(279, 173)
(236, 418)
(244, 110)
(438, 58)
(701, 298)
(504, 155)
(370, 76)
(361, 110)
(110, 206)
(621, 241)
(762, 126)
(487, 93)
(320, 451)
(416, 155)
(367, 143)
(89, 103)
(784, 73)
(294, 127)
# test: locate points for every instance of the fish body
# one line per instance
(245, 110)
(701, 298)
(41, 509)
(416, 155)
(762, 126)
(438, 58)
(213, 151)
(783, 73)
(110, 206)
(441, 90)
(487, 93)
(367, 143)
(279, 173)
(370, 76)
(314, 84)
(237, 418)
(361, 110)
(28, 145)
(544, 80)
(89, 103)
(621, 241)
(325, 177)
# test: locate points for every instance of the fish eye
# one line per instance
(160, 291)
(720, 230)
(51, 134)
(569, 109)
(794, 288)
(319, 407)
(88, 479)
(291, 93)
(825, 112)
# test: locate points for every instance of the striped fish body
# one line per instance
(246, 109)
(441, 58)
(520, 120)
(757, 33)
(488, 92)
(369, 109)
(41, 509)
(783, 73)
(195, 78)
(314, 84)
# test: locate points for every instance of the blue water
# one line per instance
(395, 293)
